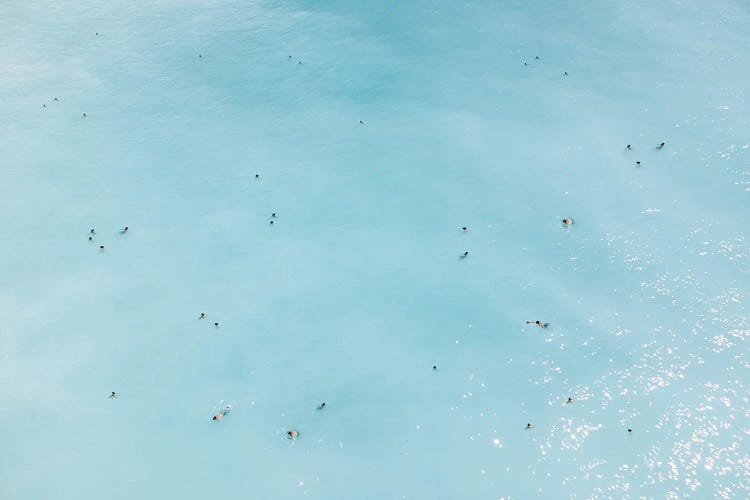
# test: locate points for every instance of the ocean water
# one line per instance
(358, 288)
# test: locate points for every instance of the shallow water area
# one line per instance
(375, 132)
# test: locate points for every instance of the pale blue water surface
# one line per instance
(357, 289)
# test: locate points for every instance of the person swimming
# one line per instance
(55, 99)
(257, 176)
(101, 247)
(84, 115)
(434, 368)
(292, 434)
(92, 232)
(361, 122)
(570, 400)
(113, 395)
(321, 406)
(660, 146)
(638, 163)
(223, 413)
(90, 238)
(630, 431)
(203, 315)
(124, 230)
(629, 146)
(538, 323)
(466, 254)
(273, 215)
(216, 325)
(536, 57)
(565, 73)
(465, 229)
(44, 105)
(567, 222)
(529, 426)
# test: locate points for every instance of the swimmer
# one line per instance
(638, 163)
(113, 395)
(257, 176)
(101, 247)
(55, 99)
(466, 254)
(565, 74)
(660, 146)
(299, 62)
(538, 323)
(361, 122)
(216, 325)
(567, 222)
(465, 229)
(97, 33)
(629, 146)
(124, 230)
(321, 406)
(537, 58)
(434, 368)
(223, 413)
(290, 57)
(271, 223)
(529, 426)
(84, 115)
(570, 400)
(44, 105)
(273, 215)
(90, 238)
(630, 431)
(525, 64)
(292, 435)
(203, 315)
(92, 232)
(200, 56)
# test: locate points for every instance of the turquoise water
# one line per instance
(358, 288)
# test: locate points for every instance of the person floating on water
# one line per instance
(292, 434)
(321, 406)
(203, 315)
(529, 426)
(538, 323)
(113, 395)
(223, 413)
(567, 222)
